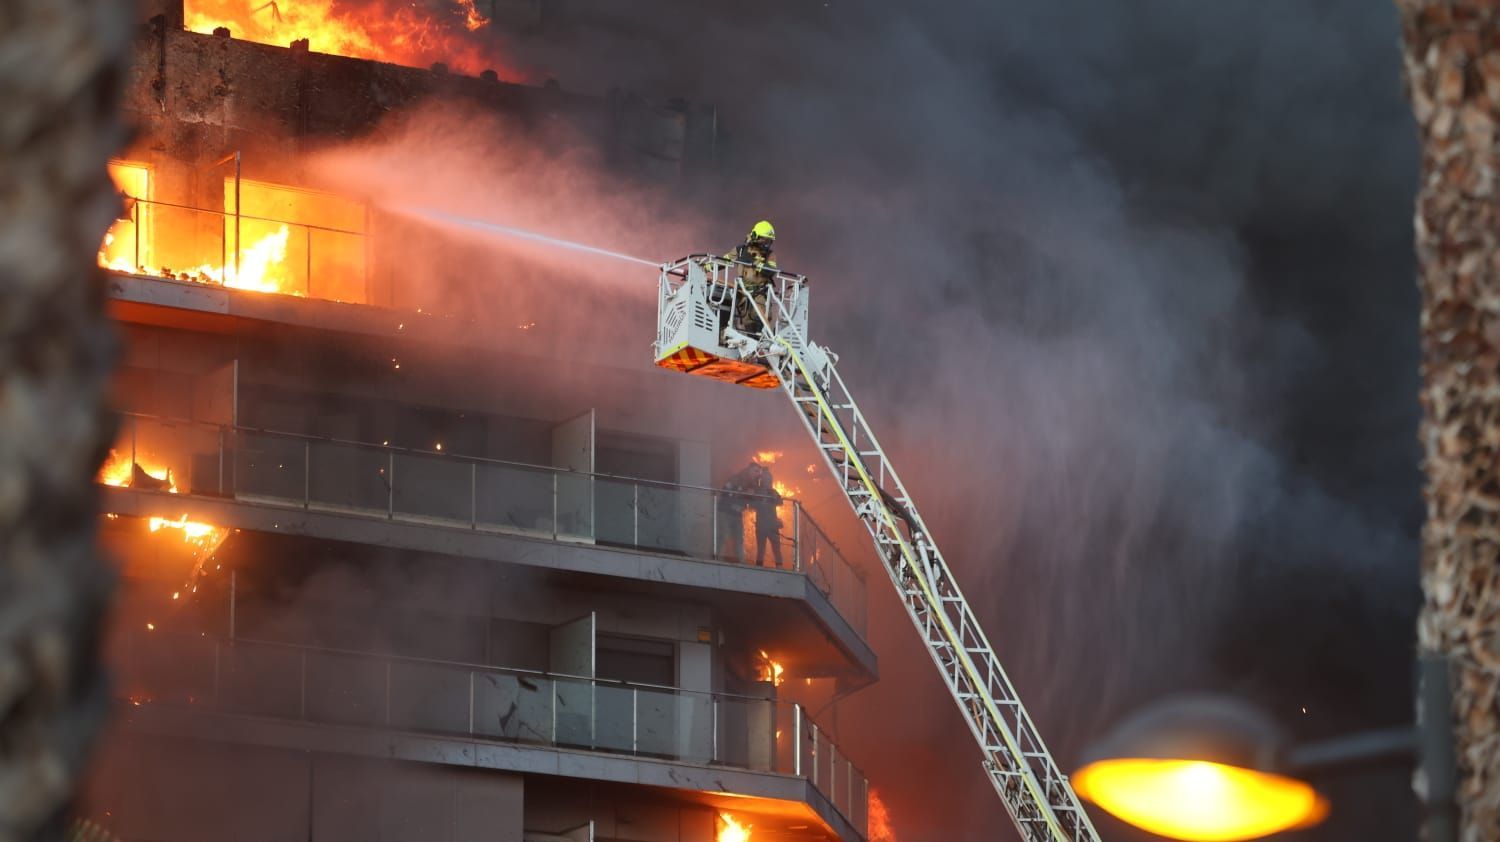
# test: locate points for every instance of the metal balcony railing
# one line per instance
(484, 495)
(340, 687)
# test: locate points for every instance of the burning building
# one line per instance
(364, 596)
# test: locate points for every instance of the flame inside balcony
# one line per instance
(142, 472)
(731, 830)
(768, 670)
(267, 238)
(408, 33)
(788, 492)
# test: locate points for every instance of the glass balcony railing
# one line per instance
(456, 492)
(338, 687)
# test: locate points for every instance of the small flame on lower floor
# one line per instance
(731, 830)
(879, 820)
(769, 670)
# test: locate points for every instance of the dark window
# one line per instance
(636, 660)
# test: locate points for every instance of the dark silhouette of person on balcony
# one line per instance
(766, 503)
(733, 497)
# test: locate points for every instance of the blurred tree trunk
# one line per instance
(1452, 70)
(60, 65)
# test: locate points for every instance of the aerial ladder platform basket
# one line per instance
(703, 303)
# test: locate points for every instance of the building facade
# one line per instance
(388, 572)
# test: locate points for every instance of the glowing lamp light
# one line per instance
(1199, 799)
(1199, 768)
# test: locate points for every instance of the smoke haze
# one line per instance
(1124, 288)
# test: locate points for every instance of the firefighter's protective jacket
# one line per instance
(758, 267)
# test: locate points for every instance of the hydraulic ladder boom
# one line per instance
(1035, 792)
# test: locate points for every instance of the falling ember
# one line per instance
(150, 627)
(879, 820)
(400, 33)
(731, 830)
(768, 670)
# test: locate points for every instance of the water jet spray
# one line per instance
(521, 233)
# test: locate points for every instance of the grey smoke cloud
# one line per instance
(1126, 290)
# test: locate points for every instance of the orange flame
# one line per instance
(399, 33)
(262, 266)
(767, 457)
(879, 820)
(731, 830)
(119, 471)
(205, 538)
(473, 20)
(131, 243)
(769, 670)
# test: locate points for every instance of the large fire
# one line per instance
(132, 244)
(267, 237)
(731, 830)
(262, 266)
(413, 34)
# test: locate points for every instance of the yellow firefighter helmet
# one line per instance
(762, 232)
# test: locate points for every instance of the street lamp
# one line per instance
(1215, 769)
(1199, 768)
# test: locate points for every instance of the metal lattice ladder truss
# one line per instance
(1036, 793)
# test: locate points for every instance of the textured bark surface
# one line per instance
(59, 69)
(1452, 69)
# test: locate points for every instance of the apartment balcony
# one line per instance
(761, 752)
(651, 536)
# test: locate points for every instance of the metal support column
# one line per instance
(797, 728)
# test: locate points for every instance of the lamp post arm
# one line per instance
(1363, 750)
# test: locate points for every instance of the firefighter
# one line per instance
(732, 500)
(757, 270)
(767, 504)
